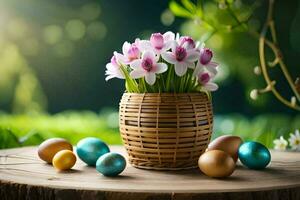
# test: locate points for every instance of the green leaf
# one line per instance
(31, 138)
(189, 5)
(8, 139)
(179, 11)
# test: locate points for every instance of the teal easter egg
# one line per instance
(90, 149)
(254, 155)
(111, 164)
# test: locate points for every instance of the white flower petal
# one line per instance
(168, 45)
(212, 70)
(126, 46)
(110, 67)
(150, 78)
(136, 64)
(211, 86)
(149, 54)
(144, 45)
(161, 68)
(174, 44)
(212, 64)
(190, 65)
(109, 77)
(168, 36)
(192, 56)
(199, 69)
(169, 57)
(180, 68)
(177, 37)
(121, 59)
(137, 74)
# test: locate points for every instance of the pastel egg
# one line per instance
(111, 164)
(254, 155)
(90, 149)
(216, 163)
(50, 147)
(228, 143)
(64, 160)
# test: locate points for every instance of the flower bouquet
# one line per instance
(166, 112)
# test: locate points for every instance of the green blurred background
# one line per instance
(53, 55)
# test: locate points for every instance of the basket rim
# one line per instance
(159, 93)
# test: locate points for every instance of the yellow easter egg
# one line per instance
(64, 159)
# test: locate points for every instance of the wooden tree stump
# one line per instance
(24, 176)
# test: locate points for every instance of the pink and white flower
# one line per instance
(130, 52)
(113, 69)
(204, 79)
(147, 67)
(158, 42)
(182, 57)
(205, 62)
(187, 42)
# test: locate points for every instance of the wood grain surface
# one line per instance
(24, 176)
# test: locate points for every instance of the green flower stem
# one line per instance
(131, 84)
(169, 76)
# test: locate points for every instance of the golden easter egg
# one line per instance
(228, 143)
(64, 160)
(216, 163)
(50, 147)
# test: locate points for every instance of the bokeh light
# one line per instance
(90, 11)
(52, 34)
(96, 30)
(167, 17)
(227, 126)
(75, 29)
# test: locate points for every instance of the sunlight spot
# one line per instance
(227, 126)
(167, 18)
(113, 120)
(52, 34)
(75, 29)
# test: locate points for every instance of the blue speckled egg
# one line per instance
(254, 155)
(90, 149)
(111, 164)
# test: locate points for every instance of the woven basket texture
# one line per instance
(165, 131)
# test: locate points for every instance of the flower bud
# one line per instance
(133, 52)
(205, 56)
(203, 78)
(257, 70)
(187, 42)
(157, 40)
(293, 101)
(254, 94)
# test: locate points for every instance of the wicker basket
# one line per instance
(165, 131)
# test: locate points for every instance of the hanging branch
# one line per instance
(263, 41)
(269, 24)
